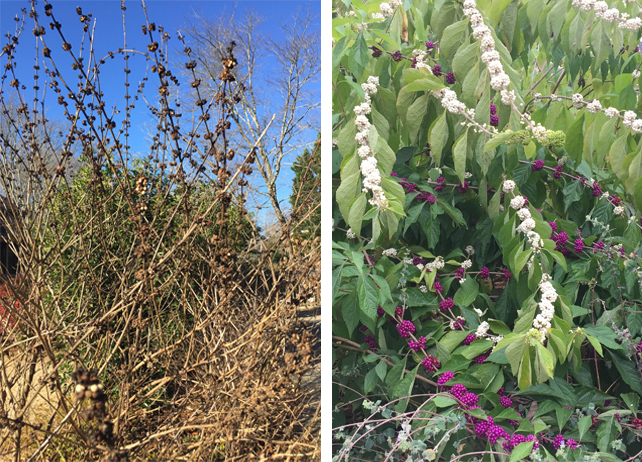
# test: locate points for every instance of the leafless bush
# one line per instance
(138, 328)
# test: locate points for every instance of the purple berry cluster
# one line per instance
(376, 52)
(507, 274)
(470, 399)
(459, 273)
(427, 197)
(558, 171)
(436, 70)
(397, 56)
(560, 239)
(537, 165)
(597, 191)
(558, 442)
(409, 187)
(615, 200)
(440, 183)
(418, 261)
(484, 273)
(506, 401)
(445, 377)
(380, 311)
(553, 226)
(459, 323)
(429, 45)
(458, 390)
(494, 120)
(450, 78)
(512, 441)
(481, 359)
(420, 344)
(431, 363)
(438, 287)
(494, 433)
(370, 341)
(405, 328)
(579, 245)
(463, 188)
(446, 304)
(468, 340)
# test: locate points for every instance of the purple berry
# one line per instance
(553, 225)
(463, 188)
(396, 56)
(450, 78)
(494, 433)
(493, 109)
(572, 444)
(446, 304)
(469, 339)
(537, 165)
(431, 363)
(380, 311)
(376, 52)
(405, 328)
(437, 70)
(484, 273)
(438, 287)
(506, 401)
(558, 442)
(458, 390)
(370, 341)
(494, 120)
(420, 344)
(579, 245)
(558, 172)
(429, 45)
(597, 191)
(445, 377)
(470, 399)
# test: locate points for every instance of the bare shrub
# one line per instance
(139, 327)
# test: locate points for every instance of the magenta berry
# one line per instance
(370, 341)
(470, 399)
(446, 304)
(429, 45)
(505, 401)
(438, 287)
(484, 273)
(558, 442)
(405, 328)
(571, 444)
(380, 311)
(553, 225)
(450, 78)
(458, 390)
(463, 188)
(537, 165)
(579, 245)
(468, 340)
(437, 70)
(494, 120)
(493, 109)
(445, 377)
(420, 344)
(561, 238)
(396, 56)
(558, 171)
(494, 433)
(431, 363)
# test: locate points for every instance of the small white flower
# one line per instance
(350, 234)
(469, 250)
(386, 10)
(479, 312)
(420, 266)
(526, 226)
(524, 213)
(636, 126)
(636, 74)
(467, 175)
(509, 186)
(466, 264)
(508, 97)
(594, 106)
(517, 202)
(392, 252)
(424, 289)
(482, 330)
(611, 112)
(629, 118)
(618, 210)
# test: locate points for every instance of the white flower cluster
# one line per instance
(420, 60)
(578, 99)
(499, 80)
(436, 264)
(388, 9)
(543, 320)
(449, 100)
(526, 226)
(469, 250)
(482, 330)
(611, 112)
(517, 202)
(524, 213)
(603, 11)
(535, 241)
(508, 97)
(509, 186)
(594, 106)
(369, 169)
(420, 266)
(479, 312)
(619, 210)
(350, 234)
(466, 264)
(392, 252)
(423, 289)
(636, 74)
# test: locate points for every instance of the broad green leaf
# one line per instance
(467, 293)
(437, 137)
(425, 84)
(583, 425)
(575, 138)
(524, 380)
(370, 381)
(357, 209)
(453, 37)
(368, 297)
(563, 414)
(465, 59)
(459, 155)
(350, 312)
(617, 153)
(521, 451)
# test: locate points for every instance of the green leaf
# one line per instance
(368, 297)
(437, 137)
(617, 153)
(443, 401)
(632, 401)
(600, 43)
(524, 374)
(459, 156)
(521, 451)
(370, 381)
(453, 37)
(583, 425)
(637, 193)
(467, 293)
(596, 344)
(546, 364)
(404, 387)
(515, 353)
(395, 374)
(563, 414)
(465, 58)
(575, 137)
(350, 312)
(382, 369)
(572, 193)
(605, 435)
(497, 9)
(357, 209)
(359, 56)
(628, 371)
(425, 84)
(497, 140)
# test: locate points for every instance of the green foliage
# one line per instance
(502, 245)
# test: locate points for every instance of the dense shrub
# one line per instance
(486, 250)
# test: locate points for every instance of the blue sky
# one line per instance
(171, 14)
